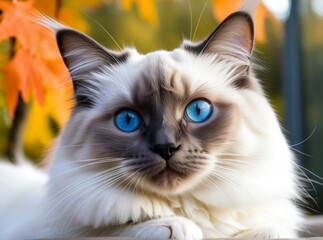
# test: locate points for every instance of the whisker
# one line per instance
(199, 19)
(300, 152)
(191, 19)
(77, 145)
(315, 175)
(97, 181)
(78, 168)
(134, 190)
(101, 185)
(311, 134)
(79, 182)
(104, 29)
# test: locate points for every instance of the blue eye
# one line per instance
(127, 120)
(198, 110)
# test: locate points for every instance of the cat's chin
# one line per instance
(168, 181)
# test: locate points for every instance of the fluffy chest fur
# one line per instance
(108, 213)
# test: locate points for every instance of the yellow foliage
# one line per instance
(126, 4)
(146, 9)
(73, 19)
(71, 13)
(38, 130)
(48, 7)
(59, 101)
(81, 4)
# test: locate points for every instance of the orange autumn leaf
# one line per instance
(11, 90)
(222, 8)
(28, 71)
(36, 69)
(12, 22)
(31, 71)
(31, 75)
(18, 22)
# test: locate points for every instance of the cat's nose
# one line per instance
(166, 151)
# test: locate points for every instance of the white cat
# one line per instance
(180, 144)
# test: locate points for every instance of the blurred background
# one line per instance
(35, 92)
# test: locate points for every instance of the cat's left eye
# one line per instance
(127, 120)
(198, 111)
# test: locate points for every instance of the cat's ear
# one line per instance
(83, 56)
(233, 41)
(233, 38)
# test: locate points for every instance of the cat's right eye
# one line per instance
(127, 120)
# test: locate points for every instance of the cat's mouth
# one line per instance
(168, 178)
(172, 176)
(168, 171)
(172, 168)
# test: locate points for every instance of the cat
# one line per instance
(172, 144)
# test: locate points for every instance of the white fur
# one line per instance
(247, 191)
(23, 188)
(257, 201)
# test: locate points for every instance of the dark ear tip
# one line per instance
(63, 31)
(65, 36)
(60, 34)
(61, 39)
(241, 14)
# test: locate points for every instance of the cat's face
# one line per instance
(166, 126)
(162, 122)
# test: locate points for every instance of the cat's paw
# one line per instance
(169, 228)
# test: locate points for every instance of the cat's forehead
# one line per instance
(160, 80)
(163, 80)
